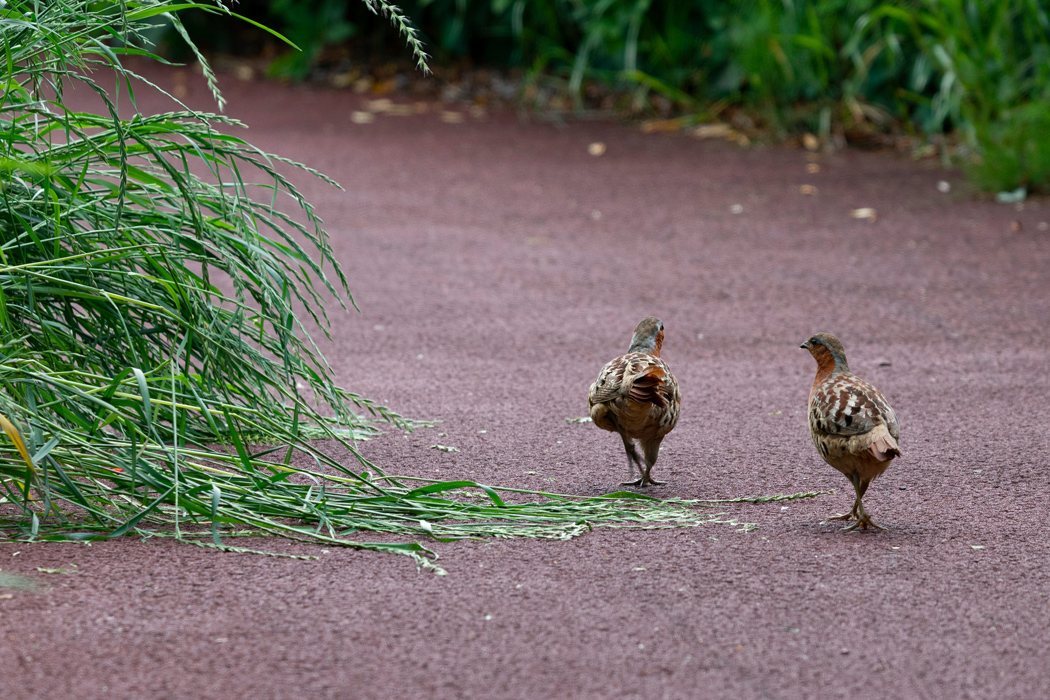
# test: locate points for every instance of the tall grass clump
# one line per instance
(157, 277)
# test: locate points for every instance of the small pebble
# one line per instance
(944, 186)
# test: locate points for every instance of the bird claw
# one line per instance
(863, 524)
(845, 516)
(642, 482)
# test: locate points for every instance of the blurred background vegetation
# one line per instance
(967, 78)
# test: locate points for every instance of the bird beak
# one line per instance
(805, 345)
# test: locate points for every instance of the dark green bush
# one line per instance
(978, 68)
(311, 25)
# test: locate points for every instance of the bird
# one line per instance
(853, 426)
(637, 396)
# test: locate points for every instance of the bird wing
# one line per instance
(651, 382)
(847, 405)
(609, 383)
(637, 376)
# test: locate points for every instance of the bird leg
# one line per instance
(858, 512)
(652, 451)
(859, 488)
(633, 460)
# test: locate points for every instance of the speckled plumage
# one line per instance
(637, 396)
(852, 425)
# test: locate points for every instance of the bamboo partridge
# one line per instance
(636, 396)
(853, 426)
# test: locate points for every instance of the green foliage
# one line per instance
(852, 67)
(150, 272)
(1014, 150)
(996, 58)
(312, 25)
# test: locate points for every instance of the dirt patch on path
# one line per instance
(498, 266)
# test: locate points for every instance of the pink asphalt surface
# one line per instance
(498, 267)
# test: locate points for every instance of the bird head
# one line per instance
(648, 336)
(824, 347)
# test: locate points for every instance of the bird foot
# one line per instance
(863, 523)
(642, 482)
(845, 516)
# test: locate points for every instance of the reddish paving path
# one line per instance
(498, 266)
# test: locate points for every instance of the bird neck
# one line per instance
(827, 365)
(650, 345)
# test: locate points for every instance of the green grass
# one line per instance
(156, 377)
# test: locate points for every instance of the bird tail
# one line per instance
(884, 446)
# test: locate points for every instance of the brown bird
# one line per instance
(853, 426)
(636, 396)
